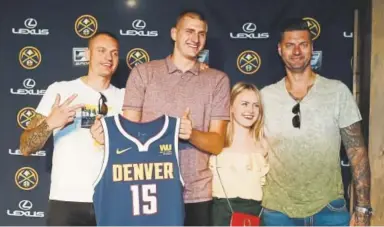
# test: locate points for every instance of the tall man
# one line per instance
(177, 87)
(67, 110)
(307, 116)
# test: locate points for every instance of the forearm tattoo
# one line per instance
(358, 156)
(35, 136)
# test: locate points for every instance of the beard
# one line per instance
(297, 68)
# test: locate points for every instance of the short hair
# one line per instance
(193, 13)
(99, 33)
(294, 24)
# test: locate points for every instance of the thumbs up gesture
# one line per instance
(185, 131)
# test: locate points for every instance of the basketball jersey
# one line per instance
(140, 182)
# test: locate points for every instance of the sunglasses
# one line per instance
(103, 108)
(296, 121)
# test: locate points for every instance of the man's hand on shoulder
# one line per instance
(203, 66)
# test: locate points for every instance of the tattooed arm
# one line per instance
(35, 136)
(358, 157)
(41, 127)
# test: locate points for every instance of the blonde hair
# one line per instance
(257, 129)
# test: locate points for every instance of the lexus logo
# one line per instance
(249, 27)
(29, 83)
(30, 23)
(138, 24)
(25, 205)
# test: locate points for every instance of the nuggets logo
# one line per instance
(313, 26)
(248, 62)
(29, 57)
(86, 26)
(136, 56)
(26, 178)
(25, 116)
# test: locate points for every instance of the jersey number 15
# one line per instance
(148, 201)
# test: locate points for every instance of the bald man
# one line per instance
(67, 111)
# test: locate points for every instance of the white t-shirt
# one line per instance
(77, 158)
(305, 172)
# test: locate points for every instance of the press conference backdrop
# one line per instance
(44, 41)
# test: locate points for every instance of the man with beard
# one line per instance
(306, 118)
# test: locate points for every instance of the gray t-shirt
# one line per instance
(305, 172)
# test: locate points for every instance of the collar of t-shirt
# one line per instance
(92, 91)
(311, 89)
(172, 67)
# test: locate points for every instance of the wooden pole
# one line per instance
(356, 87)
(376, 116)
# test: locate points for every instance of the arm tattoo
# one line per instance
(358, 156)
(35, 136)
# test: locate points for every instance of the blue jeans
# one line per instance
(334, 214)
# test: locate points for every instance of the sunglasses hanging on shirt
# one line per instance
(103, 108)
(296, 120)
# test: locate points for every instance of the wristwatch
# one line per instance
(364, 210)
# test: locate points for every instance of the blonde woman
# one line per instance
(239, 170)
